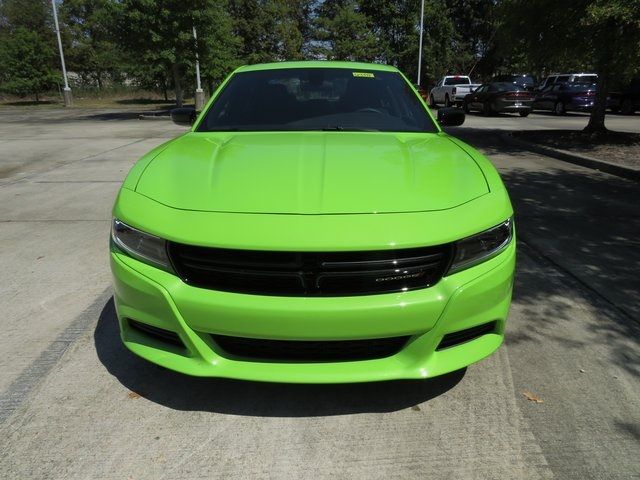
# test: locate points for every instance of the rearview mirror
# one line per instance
(183, 116)
(450, 117)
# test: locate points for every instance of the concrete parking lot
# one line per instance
(561, 399)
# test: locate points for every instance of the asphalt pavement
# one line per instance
(561, 399)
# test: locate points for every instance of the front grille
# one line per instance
(309, 273)
(462, 336)
(310, 351)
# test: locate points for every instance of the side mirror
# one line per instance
(450, 117)
(183, 116)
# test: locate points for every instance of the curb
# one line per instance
(589, 162)
(154, 117)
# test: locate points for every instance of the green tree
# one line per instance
(219, 47)
(28, 61)
(33, 15)
(91, 50)
(159, 34)
(270, 29)
(440, 52)
(25, 59)
(396, 25)
(346, 33)
(474, 24)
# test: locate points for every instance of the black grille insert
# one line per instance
(309, 273)
(157, 332)
(462, 336)
(310, 351)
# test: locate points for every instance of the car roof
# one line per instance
(317, 64)
(569, 74)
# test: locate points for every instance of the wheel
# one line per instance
(627, 107)
(432, 101)
(559, 109)
(524, 113)
(486, 108)
(447, 102)
(465, 107)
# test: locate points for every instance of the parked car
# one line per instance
(565, 97)
(587, 78)
(451, 90)
(523, 80)
(314, 225)
(498, 97)
(627, 101)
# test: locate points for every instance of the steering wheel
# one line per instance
(371, 110)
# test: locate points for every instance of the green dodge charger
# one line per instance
(314, 225)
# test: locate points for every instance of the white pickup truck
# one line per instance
(451, 90)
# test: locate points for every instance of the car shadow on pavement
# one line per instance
(182, 392)
(580, 228)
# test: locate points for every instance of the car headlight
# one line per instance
(140, 245)
(480, 247)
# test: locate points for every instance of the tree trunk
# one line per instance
(37, 98)
(596, 120)
(177, 81)
(164, 89)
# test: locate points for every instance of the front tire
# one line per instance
(559, 108)
(524, 114)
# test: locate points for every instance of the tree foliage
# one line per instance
(27, 47)
(150, 42)
(344, 32)
(91, 49)
(25, 60)
(270, 29)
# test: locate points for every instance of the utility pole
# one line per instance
(66, 92)
(199, 92)
(420, 46)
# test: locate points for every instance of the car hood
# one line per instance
(312, 173)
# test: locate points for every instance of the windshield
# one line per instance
(303, 99)
(586, 78)
(503, 87)
(517, 79)
(457, 81)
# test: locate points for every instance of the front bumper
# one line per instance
(580, 106)
(469, 298)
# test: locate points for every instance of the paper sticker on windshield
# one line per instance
(364, 74)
